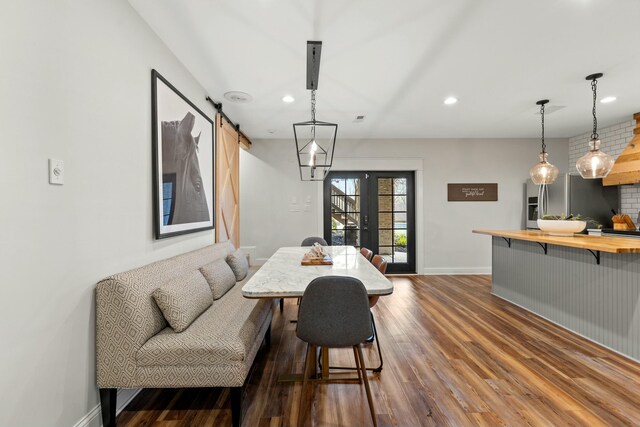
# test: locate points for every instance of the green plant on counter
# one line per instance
(591, 223)
(561, 217)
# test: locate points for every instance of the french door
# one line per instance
(375, 210)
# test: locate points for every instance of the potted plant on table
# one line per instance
(561, 225)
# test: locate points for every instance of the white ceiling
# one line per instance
(396, 61)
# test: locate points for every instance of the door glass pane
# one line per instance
(352, 203)
(352, 237)
(338, 203)
(399, 186)
(399, 255)
(337, 222)
(353, 186)
(352, 220)
(400, 203)
(399, 220)
(400, 238)
(385, 186)
(385, 238)
(337, 237)
(384, 220)
(385, 203)
(338, 186)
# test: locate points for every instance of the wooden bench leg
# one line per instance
(108, 397)
(236, 406)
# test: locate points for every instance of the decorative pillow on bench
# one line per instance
(239, 264)
(219, 276)
(183, 299)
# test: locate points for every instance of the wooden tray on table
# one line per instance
(309, 261)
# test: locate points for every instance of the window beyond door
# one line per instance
(373, 210)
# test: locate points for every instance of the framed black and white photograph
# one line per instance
(183, 162)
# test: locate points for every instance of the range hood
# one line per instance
(626, 169)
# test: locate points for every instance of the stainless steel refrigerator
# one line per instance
(571, 194)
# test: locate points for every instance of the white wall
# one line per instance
(75, 85)
(269, 181)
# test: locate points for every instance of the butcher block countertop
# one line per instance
(615, 245)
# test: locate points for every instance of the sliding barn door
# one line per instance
(227, 183)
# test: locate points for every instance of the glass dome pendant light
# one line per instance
(594, 164)
(543, 172)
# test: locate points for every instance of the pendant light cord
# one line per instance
(594, 85)
(313, 112)
(544, 146)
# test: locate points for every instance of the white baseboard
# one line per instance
(251, 251)
(435, 271)
(94, 417)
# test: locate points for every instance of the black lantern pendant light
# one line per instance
(594, 164)
(315, 140)
(543, 172)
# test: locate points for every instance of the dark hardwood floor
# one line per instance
(454, 355)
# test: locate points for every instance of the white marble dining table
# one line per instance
(283, 276)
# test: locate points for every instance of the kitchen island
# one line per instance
(587, 284)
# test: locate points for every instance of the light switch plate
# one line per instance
(56, 172)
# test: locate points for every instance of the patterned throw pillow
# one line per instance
(239, 264)
(219, 276)
(183, 299)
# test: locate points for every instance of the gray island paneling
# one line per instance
(568, 287)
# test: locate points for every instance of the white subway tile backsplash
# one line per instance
(613, 139)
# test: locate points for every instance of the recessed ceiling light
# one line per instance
(608, 99)
(288, 99)
(238, 97)
(450, 100)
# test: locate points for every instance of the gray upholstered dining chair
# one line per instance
(381, 265)
(334, 313)
(309, 241)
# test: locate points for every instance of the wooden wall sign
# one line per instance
(472, 192)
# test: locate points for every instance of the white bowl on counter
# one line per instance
(561, 227)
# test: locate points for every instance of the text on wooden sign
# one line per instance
(472, 192)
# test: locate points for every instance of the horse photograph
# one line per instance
(183, 149)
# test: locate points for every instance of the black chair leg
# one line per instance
(377, 338)
(236, 406)
(281, 305)
(108, 397)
